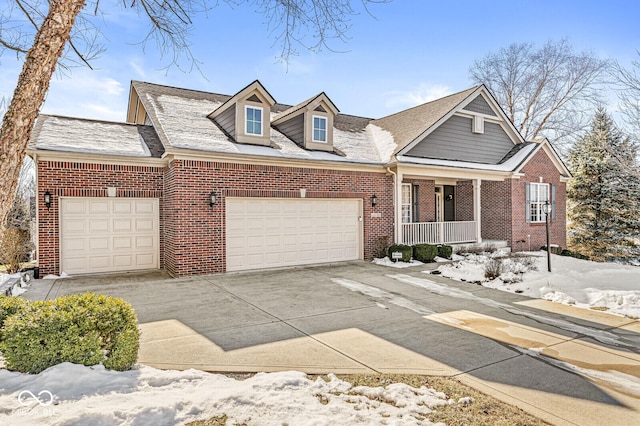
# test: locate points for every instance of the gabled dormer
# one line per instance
(310, 123)
(245, 117)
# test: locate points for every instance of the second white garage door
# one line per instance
(108, 234)
(274, 232)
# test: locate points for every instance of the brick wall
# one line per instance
(539, 165)
(195, 232)
(464, 201)
(70, 179)
(192, 234)
(495, 204)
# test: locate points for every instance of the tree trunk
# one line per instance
(33, 83)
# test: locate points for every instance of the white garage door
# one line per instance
(272, 232)
(108, 234)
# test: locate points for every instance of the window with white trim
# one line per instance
(538, 196)
(253, 119)
(319, 129)
(406, 203)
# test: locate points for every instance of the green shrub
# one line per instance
(445, 251)
(404, 249)
(425, 252)
(9, 306)
(83, 329)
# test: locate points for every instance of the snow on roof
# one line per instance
(508, 166)
(174, 114)
(70, 135)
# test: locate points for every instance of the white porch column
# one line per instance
(477, 217)
(398, 207)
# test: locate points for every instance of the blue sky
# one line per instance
(408, 53)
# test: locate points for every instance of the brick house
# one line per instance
(200, 183)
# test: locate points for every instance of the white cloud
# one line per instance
(88, 94)
(425, 92)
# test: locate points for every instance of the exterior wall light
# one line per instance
(47, 199)
(374, 201)
(212, 199)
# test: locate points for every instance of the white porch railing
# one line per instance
(439, 232)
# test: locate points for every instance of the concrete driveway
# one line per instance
(565, 365)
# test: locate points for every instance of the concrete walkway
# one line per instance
(563, 364)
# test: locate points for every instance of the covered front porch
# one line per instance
(440, 232)
(442, 205)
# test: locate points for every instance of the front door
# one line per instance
(449, 203)
(445, 203)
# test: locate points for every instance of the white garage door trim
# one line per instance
(100, 234)
(276, 232)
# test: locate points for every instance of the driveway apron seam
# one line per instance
(296, 328)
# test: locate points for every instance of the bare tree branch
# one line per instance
(628, 87)
(56, 34)
(544, 91)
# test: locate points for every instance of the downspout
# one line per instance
(395, 215)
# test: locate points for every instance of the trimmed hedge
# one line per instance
(83, 329)
(445, 251)
(10, 306)
(425, 252)
(406, 251)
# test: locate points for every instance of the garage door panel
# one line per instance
(122, 225)
(99, 225)
(144, 225)
(108, 234)
(74, 207)
(123, 243)
(284, 232)
(98, 207)
(147, 259)
(101, 243)
(123, 261)
(145, 207)
(99, 263)
(77, 244)
(122, 207)
(144, 242)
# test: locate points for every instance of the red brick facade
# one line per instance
(71, 179)
(192, 234)
(538, 166)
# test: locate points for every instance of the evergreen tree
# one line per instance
(604, 197)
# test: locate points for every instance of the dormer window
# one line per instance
(253, 120)
(319, 129)
(245, 116)
(310, 123)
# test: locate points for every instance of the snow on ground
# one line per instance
(73, 394)
(608, 286)
(399, 264)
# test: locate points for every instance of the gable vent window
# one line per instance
(319, 129)
(478, 124)
(254, 121)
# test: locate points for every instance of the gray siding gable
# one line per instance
(227, 120)
(480, 105)
(293, 129)
(453, 140)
